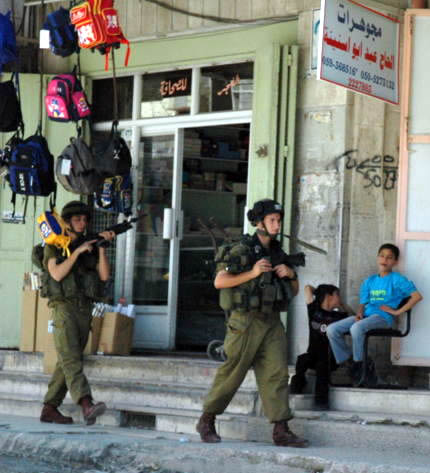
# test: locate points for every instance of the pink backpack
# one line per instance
(65, 99)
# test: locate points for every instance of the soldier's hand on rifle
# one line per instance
(283, 271)
(86, 246)
(262, 266)
(108, 235)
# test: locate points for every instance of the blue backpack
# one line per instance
(31, 167)
(63, 38)
(116, 195)
(8, 50)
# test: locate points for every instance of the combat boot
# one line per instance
(52, 415)
(90, 410)
(206, 428)
(283, 437)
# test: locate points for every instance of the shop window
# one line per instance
(166, 94)
(102, 109)
(226, 87)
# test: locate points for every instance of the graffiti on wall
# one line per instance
(378, 171)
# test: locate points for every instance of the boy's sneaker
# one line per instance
(355, 369)
(372, 377)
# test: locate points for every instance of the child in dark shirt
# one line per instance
(321, 303)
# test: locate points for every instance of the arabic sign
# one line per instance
(359, 49)
(176, 85)
(226, 90)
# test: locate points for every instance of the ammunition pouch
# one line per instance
(268, 297)
(266, 293)
(92, 286)
(58, 290)
(239, 298)
(284, 294)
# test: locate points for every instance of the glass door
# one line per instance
(213, 199)
(158, 231)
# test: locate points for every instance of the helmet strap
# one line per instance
(265, 233)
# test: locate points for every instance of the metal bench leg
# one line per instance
(364, 368)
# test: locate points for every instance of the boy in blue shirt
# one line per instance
(380, 296)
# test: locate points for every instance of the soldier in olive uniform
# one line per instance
(255, 285)
(72, 285)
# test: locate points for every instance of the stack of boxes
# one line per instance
(111, 334)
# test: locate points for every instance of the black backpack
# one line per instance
(112, 155)
(10, 110)
(76, 169)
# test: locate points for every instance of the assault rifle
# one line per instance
(101, 242)
(298, 259)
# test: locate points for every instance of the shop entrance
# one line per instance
(214, 182)
(189, 132)
(191, 192)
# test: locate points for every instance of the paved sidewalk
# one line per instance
(98, 449)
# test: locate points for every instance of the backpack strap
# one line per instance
(115, 89)
(53, 198)
(13, 202)
(20, 128)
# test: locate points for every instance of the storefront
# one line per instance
(206, 119)
(209, 119)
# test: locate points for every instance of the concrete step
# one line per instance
(137, 368)
(12, 360)
(406, 402)
(329, 429)
(113, 391)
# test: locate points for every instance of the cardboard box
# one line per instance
(28, 320)
(50, 353)
(94, 336)
(43, 316)
(116, 334)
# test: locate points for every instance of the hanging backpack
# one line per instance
(112, 156)
(76, 169)
(31, 167)
(116, 195)
(53, 230)
(97, 24)
(65, 99)
(10, 110)
(63, 39)
(8, 50)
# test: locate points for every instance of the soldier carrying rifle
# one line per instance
(72, 285)
(255, 284)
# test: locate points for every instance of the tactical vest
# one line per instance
(82, 281)
(266, 294)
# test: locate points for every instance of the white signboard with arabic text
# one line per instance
(359, 49)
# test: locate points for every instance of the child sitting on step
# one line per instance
(322, 303)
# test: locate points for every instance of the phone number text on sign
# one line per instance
(359, 49)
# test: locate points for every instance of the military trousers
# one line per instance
(259, 341)
(72, 323)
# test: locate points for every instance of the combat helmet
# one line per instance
(75, 207)
(262, 208)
